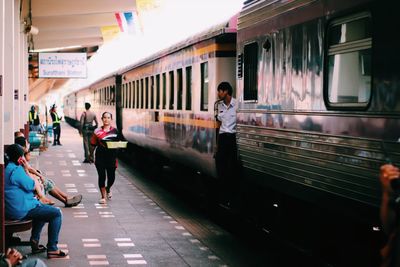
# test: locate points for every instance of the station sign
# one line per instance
(62, 65)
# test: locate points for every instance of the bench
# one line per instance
(15, 226)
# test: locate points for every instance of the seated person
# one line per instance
(14, 258)
(390, 210)
(48, 184)
(21, 204)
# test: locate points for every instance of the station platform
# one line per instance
(131, 229)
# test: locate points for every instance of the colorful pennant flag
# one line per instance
(109, 32)
(126, 21)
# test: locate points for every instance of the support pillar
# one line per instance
(2, 92)
(9, 68)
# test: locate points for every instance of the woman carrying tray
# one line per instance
(105, 158)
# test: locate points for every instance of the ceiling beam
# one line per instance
(68, 34)
(74, 22)
(46, 8)
(68, 42)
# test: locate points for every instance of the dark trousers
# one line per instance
(86, 135)
(227, 166)
(103, 172)
(46, 214)
(57, 133)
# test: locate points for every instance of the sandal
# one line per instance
(56, 254)
(36, 247)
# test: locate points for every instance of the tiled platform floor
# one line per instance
(131, 229)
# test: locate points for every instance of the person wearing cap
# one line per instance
(86, 129)
(56, 125)
(21, 204)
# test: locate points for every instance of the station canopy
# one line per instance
(70, 26)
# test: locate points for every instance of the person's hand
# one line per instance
(13, 256)
(388, 172)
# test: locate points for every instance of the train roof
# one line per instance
(257, 11)
(229, 26)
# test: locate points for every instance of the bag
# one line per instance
(89, 128)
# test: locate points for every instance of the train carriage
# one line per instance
(319, 99)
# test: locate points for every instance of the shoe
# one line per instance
(59, 144)
(36, 247)
(73, 201)
(109, 195)
(86, 161)
(56, 254)
(54, 144)
(76, 200)
(102, 201)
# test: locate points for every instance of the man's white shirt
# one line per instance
(227, 116)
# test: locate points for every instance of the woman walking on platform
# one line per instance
(105, 159)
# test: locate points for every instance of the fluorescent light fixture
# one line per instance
(54, 49)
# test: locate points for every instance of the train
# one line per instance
(318, 89)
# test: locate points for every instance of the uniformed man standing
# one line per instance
(86, 129)
(226, 156)
(56, 125)
(34, 121)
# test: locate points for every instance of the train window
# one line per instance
(147, 98)
(130, 94)
(123, 95)
(105, 90)
(133, 91)
(152, 93)
(164, 78)
(137, 94)
(188, 88)
(349, 61)
(204, 86)
(141, 93)
(158, 91)
(112, 95)
(171, 90)
(250, 89)
(126, 93)
(179, 89)
(109, 95)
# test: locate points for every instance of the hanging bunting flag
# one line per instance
(109, 32)
(143, 5)
(126, 22)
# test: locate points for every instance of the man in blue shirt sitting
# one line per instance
(21, 204)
